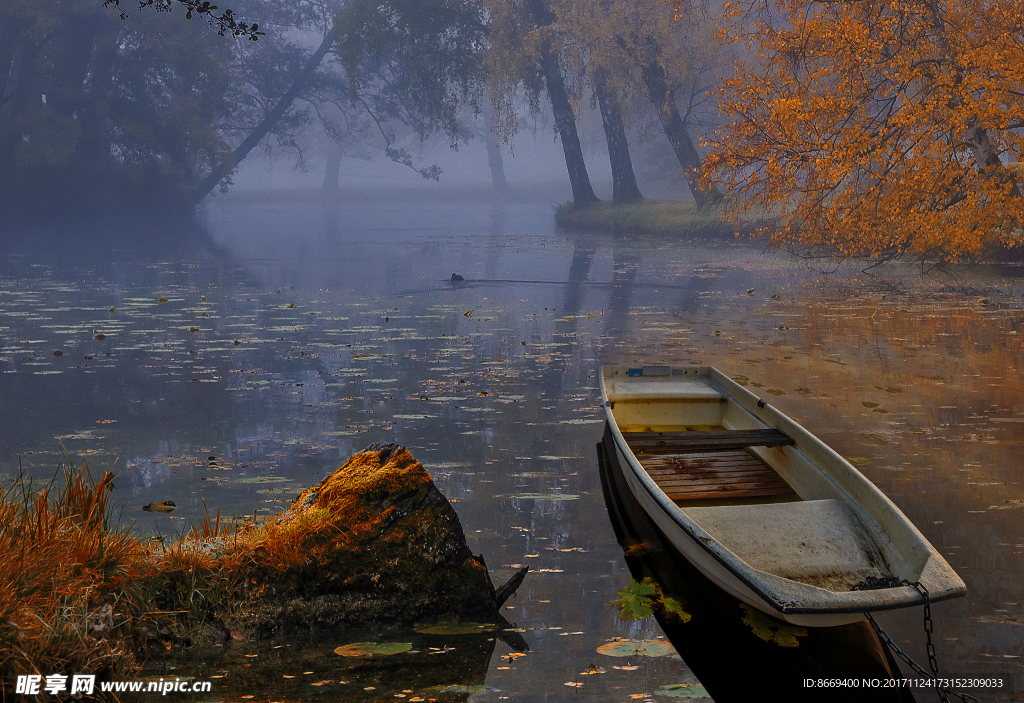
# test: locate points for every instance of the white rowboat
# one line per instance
(760, 505)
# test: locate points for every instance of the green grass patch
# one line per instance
(649, 216)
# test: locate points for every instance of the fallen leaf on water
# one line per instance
(771, 630)
(683, 690)
(193, 330)
(112, 309)
(101, 337)
(365, 650)
(867, 404)
(467, 313)
(574, 684)
(873, 439)
(164, 506)
(161, 299)
(58, 353)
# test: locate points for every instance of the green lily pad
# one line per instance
(457, 688)
(545, 496)
(683, 690)
(639, 648)
(458, 628)
(372, 649)
(771, 630)
(873, 439)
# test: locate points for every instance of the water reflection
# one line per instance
(716, 642)
(348, 331)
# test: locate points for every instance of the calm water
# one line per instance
(282, 338)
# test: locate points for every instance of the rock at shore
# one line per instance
(375, 542)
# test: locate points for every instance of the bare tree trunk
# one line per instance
(565, 120)
(659, 93)
(624, 187)
(494, 160)
(332, 171)
(226, 167)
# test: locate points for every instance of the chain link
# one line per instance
(933, 662)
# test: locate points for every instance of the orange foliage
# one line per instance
(877, 127)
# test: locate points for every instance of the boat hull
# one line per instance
(718, 574)
(807, 543)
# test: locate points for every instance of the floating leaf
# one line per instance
(675, 608)
(639, 648)
(545, 496)
(58, 353)
(867, 404)
(262, 479)
(467, 313)
(873, 439)
(112, 309)
(164, 506)
(366, 650)
(771, 630)
(193, 330)
(161, 299)
(458, 628)
(683, 690)
(101, 337)
(636, 599)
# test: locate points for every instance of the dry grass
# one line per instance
(65, 578)
(78, 596)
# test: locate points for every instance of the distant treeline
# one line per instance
(99, 109)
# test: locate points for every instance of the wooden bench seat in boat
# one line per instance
(648, 442)
(714, 475)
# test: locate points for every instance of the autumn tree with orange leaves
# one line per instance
(877, 128)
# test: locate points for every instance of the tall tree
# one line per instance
(97, 110)
(879, 128)
(624, 187)
(525, 51)
(639, 49)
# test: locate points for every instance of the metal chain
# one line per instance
(933, 662)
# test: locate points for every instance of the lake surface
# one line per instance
(245, 359)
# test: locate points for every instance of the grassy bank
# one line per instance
(79, 596)
(651, 217)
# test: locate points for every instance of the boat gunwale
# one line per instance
(898, 597)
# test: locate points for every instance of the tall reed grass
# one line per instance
(80, 596)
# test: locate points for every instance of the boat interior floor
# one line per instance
(716, 476)
(818, 542)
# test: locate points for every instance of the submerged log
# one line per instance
(375, 542)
